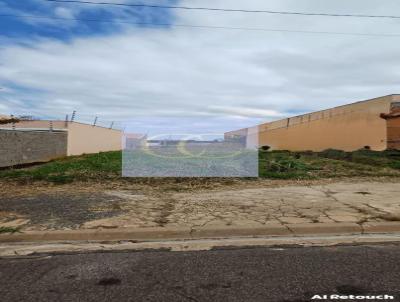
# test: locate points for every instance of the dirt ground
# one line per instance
(194, 203)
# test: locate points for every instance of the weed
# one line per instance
(272, 164)
(11, 230)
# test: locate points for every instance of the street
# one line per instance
(231, 274)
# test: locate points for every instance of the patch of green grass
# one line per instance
(279, 164)
(272, 164)
(12, 230)
(283, 165)
(104, 165)
(377, 159)
(334, 154)
(329, 163)
(395, 165)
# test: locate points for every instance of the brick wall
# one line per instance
(23, 147)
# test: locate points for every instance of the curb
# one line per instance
(159, 233)
(381, 227)
(98, 235)
(326, 228)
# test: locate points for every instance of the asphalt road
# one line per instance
(246, 274)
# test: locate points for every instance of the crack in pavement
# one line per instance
(285, 225)
(166, 209)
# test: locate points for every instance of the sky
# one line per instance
(184, 78)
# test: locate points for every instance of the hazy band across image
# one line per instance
(187, 156)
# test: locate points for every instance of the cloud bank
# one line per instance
(178, 72)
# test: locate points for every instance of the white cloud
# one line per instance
(183, 71)
(245, 112)
(63, 12)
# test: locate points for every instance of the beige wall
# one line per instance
(348, 128)
(83, 138)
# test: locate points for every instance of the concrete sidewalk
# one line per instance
(356, 203)
(349, 208)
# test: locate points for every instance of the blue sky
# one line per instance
(233, 78)
(15, 27)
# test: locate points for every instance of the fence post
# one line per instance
(13, 123)
(73, 115)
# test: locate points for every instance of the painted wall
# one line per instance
(84, 138)
(23, 147)
(349, 127)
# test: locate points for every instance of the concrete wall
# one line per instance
(349, 127)
(37, 125)
(22, 147)
(84, 138)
